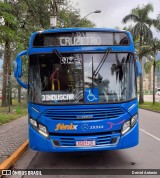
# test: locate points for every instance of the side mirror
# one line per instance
(138, 68)
(18, 69)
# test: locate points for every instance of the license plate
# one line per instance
(85, 143)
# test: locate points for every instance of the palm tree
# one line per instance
(141, 30)
(151, 51)
(158, 22)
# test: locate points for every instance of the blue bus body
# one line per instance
(83, 125)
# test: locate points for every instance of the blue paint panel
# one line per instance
(91, 126)
(39, 143)
(132, 137)
(104, 123)
(85, 49)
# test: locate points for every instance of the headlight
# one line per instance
(39, 127)
(126, 127)
(33, 122)
(129, 124)
(134, 120)
(43, 130)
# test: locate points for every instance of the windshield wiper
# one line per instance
(96, 71)
(60, 57)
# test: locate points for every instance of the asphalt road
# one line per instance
(144, 156)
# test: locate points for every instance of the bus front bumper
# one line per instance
(40, 143)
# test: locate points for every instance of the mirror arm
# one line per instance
(24, 85)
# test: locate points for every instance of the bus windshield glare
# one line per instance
(74, 78)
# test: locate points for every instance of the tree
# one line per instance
(12, 39)
(22, 18)
(158, 22)
(151, 51)
(7, 35)
(141, 30)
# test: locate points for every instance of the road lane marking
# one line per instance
(158, 139)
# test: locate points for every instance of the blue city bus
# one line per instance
(81, 89)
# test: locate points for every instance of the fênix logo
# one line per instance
(60, 126)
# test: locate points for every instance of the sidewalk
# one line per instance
(12, 135)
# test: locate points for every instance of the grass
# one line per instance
(16, 111)
(150, 106)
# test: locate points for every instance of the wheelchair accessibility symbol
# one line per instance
(91, 95)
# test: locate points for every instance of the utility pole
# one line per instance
(54, 8)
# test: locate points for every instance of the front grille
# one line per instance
(67, 141)
(101, 140)
(70, 114)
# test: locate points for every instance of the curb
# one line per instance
(6, 164)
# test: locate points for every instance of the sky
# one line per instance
(1, 63)
(113, 11)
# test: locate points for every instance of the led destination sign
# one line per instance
(81, 39)
(75, 41)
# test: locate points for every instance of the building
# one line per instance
(148, 82)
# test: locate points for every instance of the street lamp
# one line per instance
(2, 20)
(96, 11)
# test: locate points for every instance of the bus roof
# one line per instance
(79, 29)
(32, 48)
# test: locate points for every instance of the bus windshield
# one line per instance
(71, 78)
